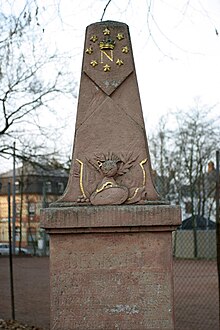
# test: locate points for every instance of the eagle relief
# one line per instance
(114, 184)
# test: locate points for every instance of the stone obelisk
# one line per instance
(110, 235)
(110, 163)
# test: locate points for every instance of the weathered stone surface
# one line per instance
(110, 236)
(142, 217)
(113, 281)
(111, 266)
(110, 162)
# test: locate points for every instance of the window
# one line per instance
(17, 186)
(4, 234)
(60, 187)
(31, 208)
(17, 233)
(18, 208)
(48, 187)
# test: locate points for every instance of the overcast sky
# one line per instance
(176, 47)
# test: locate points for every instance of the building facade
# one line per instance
(35, 188)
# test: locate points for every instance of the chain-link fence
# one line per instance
(196, 250)
(196, 254)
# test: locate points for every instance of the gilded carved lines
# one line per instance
(143, 170)
(109, 56)
(94, 63)
(81, 177)
(106, 49)
(120, 36)
(89, 50)
(94, 38)
(105, 185)
(134, 194)
(144, 180)
(106, 31)
(125, 50)
(106, 68)
(119, 62)
(110, 190)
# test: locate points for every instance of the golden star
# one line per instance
(120, 36)
(106, 68)
(106, 31)
(93, 63)
(89, 50)
(119, 62)
(125, 50)
(94, 38)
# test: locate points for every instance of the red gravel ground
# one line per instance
(31, 287)
(195, 283)
(196, 295)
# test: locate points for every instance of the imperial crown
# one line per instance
(107, 44)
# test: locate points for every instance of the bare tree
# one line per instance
(181, 155)
(155, 29)
(33, 77)
(162, 147)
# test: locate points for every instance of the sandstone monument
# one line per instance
(110, 234)
(111, 163)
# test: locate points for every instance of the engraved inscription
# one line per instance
(106, 46)
(109, 55)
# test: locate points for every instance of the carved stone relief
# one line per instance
(110, 161)
(113, 184)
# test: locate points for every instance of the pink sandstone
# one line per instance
(110, 234)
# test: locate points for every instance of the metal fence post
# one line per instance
(218, 220)
(10, 253)
(13, 204)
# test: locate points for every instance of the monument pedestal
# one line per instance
(111, 266)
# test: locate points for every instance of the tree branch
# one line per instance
(106, 6)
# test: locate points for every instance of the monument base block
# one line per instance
(111, 266)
